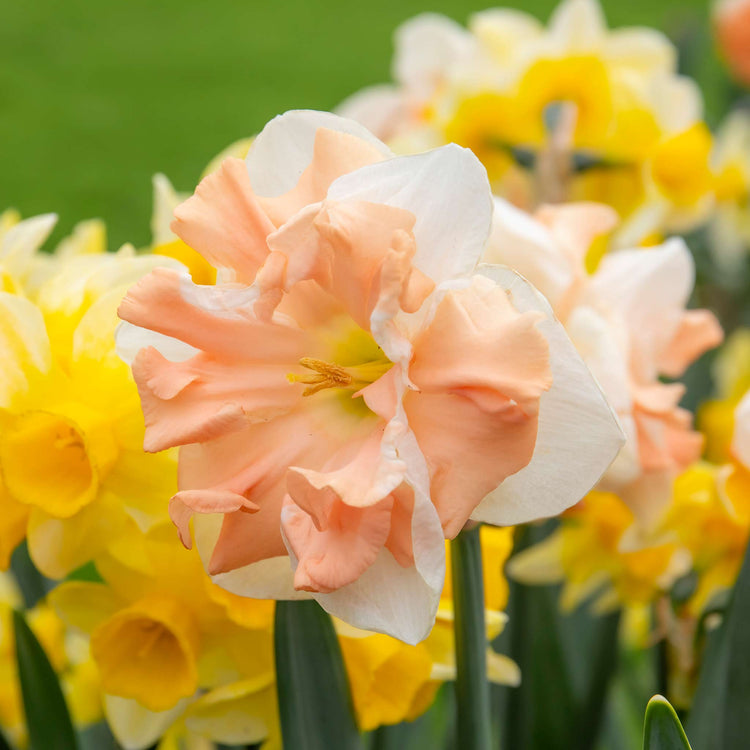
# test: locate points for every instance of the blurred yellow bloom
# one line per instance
(731, 374)
(158, 631)
(599, 553)
(632, 135)
(711, 515)
(74, 475)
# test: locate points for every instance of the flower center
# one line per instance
(330, 375)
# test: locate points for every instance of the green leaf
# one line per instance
(719, 719)
(474, 723)
(662, 729)
(578, 648)
(315, 705)
(47, 717)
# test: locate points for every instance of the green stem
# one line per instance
(315, 706)
(472, 688)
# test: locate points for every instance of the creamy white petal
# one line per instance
(134, 726)
(428, 47)
(130, 339)
(284, 148)
(577, 26)
(379, 108)
(741, 438)
(648, 289)
(642, 49)
(166, 199)
(21, 241)
(272, 578)
(447, 191)
(24, 345)
(524, 244)
(579, 435)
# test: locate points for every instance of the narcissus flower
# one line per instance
(600, 557)
(573, 111)
(73, 475)
(628, 319)
(356, 388)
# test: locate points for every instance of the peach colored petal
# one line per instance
(352, 249)
(253, 463)
(205, 397)
(699, 331)
(338, 552)
(334, 154)
(400, 542)
(185, 504)
(480, 368)
(224, 221)
(575, 226)
(169, 303)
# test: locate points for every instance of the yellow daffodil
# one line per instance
(73, 475)
(731, 374)
(711, 515)
(598, 553)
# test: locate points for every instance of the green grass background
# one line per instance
(97, 95)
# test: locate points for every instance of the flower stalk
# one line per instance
(472, 687)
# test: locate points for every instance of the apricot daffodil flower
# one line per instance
(628, 319)
(356, 388)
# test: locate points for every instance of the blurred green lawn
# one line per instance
(97, 95)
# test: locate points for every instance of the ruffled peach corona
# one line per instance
(629, 322)
(355, 388)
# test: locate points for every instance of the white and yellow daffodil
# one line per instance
(605, 108)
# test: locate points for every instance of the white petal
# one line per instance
(642, 48)
(577, 26)
(678, 101)
(130, 339)
(502, 31)
(448, 192)
(524, 244)
(134, 726)
(741, 438)
(268, 579)
(166, 199)
(379, 108)
(427, 48)
(578, 437)
(24, 345)
(284, 148)
(19, 244)
(648, 289)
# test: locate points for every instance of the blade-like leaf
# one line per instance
(719, 718)
(315, 705)
(47, 718)
(662, 729)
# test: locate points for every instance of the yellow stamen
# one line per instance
(330, 375)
